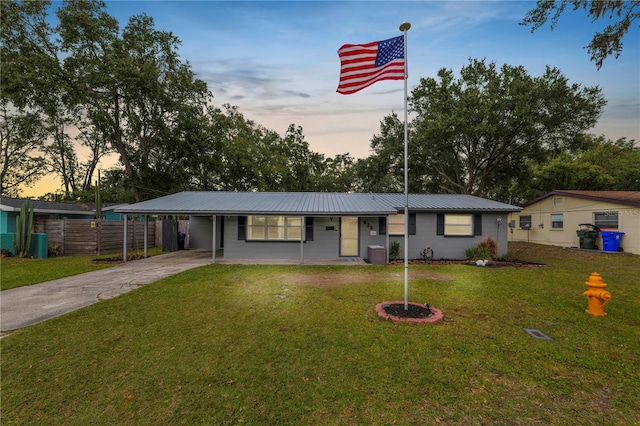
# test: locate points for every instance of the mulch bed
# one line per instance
(416, 313)
(492, 264)
(412, 311)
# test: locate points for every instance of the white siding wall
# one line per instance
(575, 211)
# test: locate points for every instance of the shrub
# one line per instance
(394, 250)
(477, 253)
(54, 250)
(491, 245)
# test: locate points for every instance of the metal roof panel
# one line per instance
(318, 203)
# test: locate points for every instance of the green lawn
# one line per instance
(230, 344)
(20, 271)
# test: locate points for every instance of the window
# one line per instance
(606, 220)
(273, 228)
(557, 221)
(458, 224)
(396, 224)
(525, 222)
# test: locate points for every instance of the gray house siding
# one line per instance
(201, 232)
(326, 238)
(369, 226)
(446, 247)
(325, 243)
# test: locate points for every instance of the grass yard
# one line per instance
(276, 345)
(21, 271)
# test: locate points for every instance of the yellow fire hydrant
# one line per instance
(597, 296)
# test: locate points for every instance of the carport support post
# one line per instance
(387, 236)
(146, 236)
(213, 239)
(302, 227)
(124, 248)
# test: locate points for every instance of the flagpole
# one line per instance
(404, 27)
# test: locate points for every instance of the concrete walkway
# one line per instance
(28, 305)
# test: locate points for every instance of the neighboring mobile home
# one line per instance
(555, 217)
(291, 225)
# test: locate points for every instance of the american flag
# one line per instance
(361, 65)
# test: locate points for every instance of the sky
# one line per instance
(278, 62)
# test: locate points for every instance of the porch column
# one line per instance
(124, 249)
(302, 240)
(387, 237)
(213, 238)
(146, 236)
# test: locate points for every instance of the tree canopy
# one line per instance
(472, 134)
(85, 84)
(603, 44)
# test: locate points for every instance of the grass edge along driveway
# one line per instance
(227, 344)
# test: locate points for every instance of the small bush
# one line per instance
(394, 250)
(55, 250)
(491, 245)
(477, 253)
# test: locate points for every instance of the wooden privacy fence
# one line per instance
(91, 236)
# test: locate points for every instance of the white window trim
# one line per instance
(554, 228)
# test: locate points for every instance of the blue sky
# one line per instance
(278, 62)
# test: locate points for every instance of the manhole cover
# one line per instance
(537, 334)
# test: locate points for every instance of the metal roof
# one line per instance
(447, 202)
(307, 203)
(627, 198)
(40, 206)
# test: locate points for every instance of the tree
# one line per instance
(21, 138)
(338, 174)
(473, 134)
(133, 87)
(605, 43)
(604, 165)
(383, 170)
(35, 81)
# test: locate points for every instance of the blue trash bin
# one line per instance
(611, 240)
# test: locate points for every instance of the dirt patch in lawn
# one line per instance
(337, 279)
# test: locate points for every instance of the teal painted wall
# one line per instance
(39, 245)
(8, 222)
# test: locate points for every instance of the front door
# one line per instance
(349, 236)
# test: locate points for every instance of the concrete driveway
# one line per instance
(24, 306)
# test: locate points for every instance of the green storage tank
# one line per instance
(39, 246)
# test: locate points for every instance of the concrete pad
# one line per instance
(24, 306)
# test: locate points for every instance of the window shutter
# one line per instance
(242, 227)
(477, 224)
(440, 224)
(412, 224)
(382, 225)
(308, 229)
